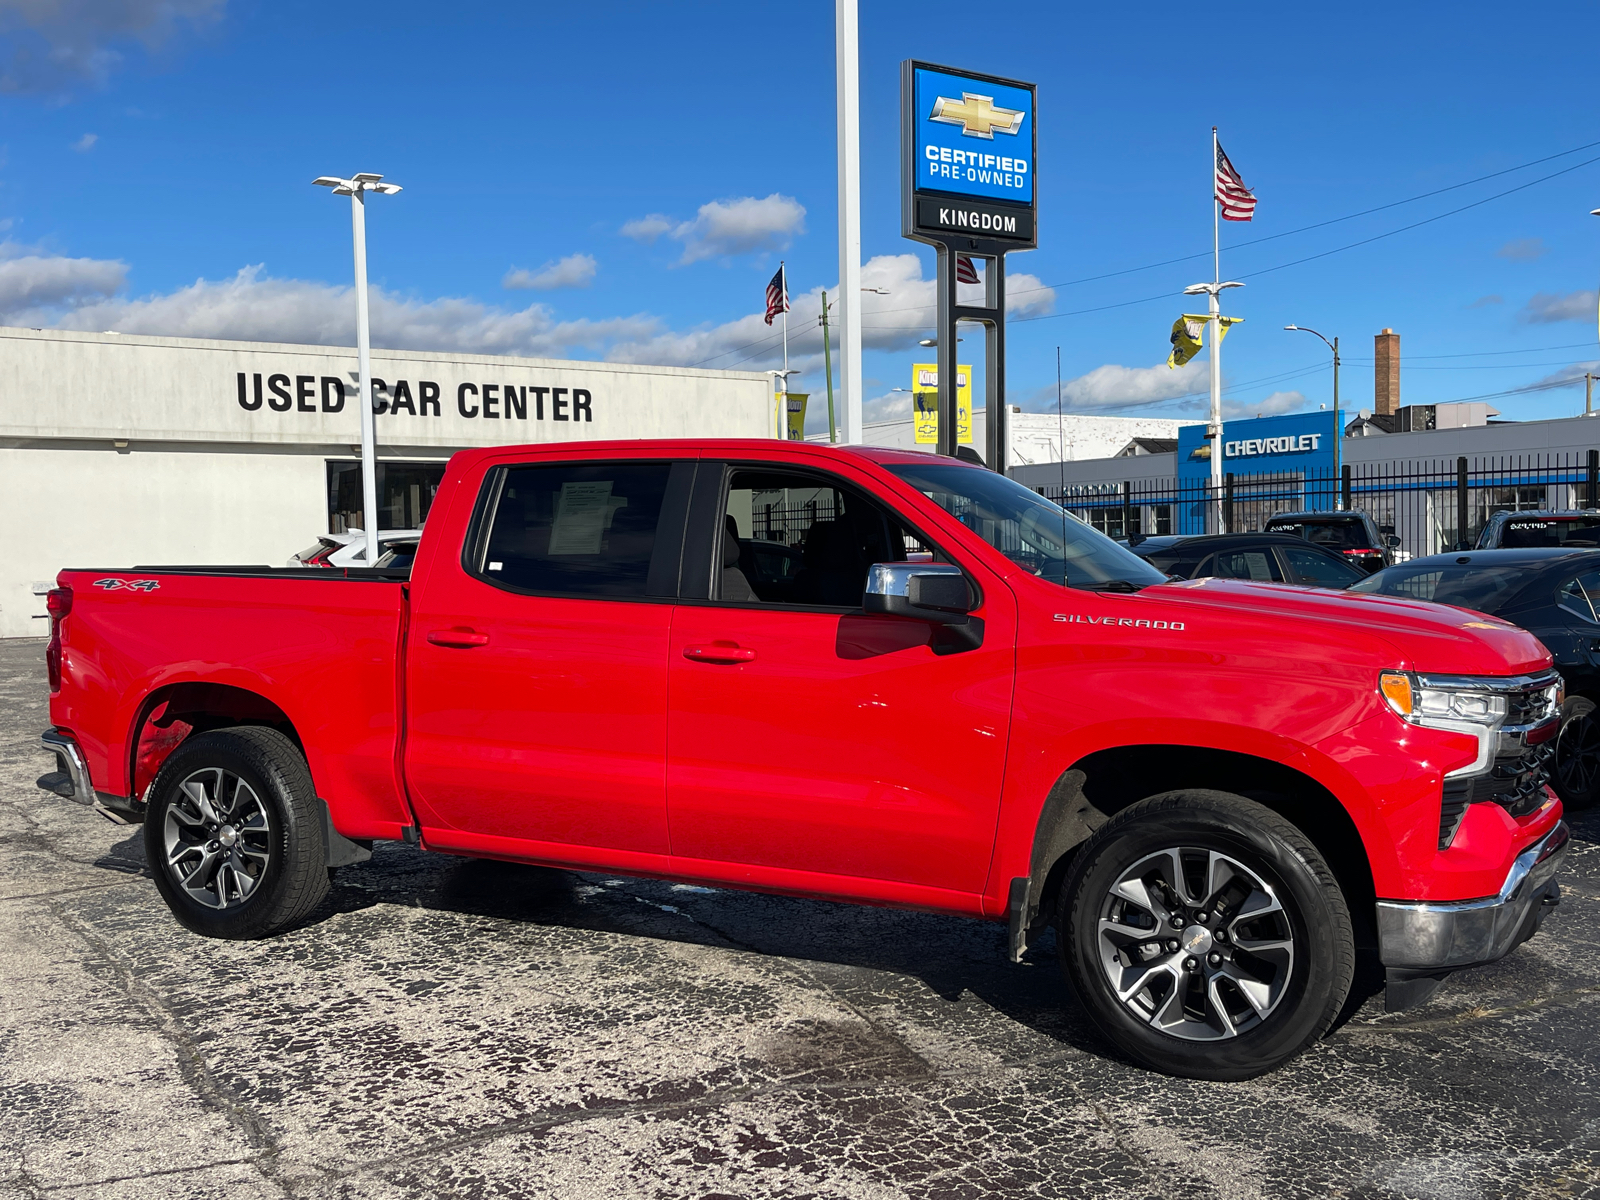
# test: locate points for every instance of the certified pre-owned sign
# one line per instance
(968, 154)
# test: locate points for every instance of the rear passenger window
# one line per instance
(1318, 570)
(574, 529)
(1578, 596)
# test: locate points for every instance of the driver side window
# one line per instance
(796, 538)
(1579, 596)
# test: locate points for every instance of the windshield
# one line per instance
(1485, 589)
(1028, 529)
(1521, 532)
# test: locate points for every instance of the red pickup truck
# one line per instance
(866, 675)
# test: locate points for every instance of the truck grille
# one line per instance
(1515, 782)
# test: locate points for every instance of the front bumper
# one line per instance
(1432, 936)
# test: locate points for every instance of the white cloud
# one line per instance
(86, 142)
(1522, 249)
(86, 294)
(1547, 307)
(1112, 386)
(727, 227)
(1274, 405)
(724, 228)
(30, 281)
(573, 271)
(888, 322)
(647, 229)
(51, 45)
(1486, 301)
(251, 306)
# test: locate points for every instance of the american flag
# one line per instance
(777, 295)
(1238, 202)
(966, 272)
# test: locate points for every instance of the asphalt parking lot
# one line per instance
(452, 1028)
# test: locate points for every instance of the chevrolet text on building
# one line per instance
(1252, 447)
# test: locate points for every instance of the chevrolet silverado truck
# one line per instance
(862, 675)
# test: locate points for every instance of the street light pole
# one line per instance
(356, 188)
(1334, 346)
(1214, 427)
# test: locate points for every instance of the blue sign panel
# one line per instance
(1304, 445)
(974, 137)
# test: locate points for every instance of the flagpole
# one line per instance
(1216, 342)
(783, 402)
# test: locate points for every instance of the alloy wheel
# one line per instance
(218, 838)
(1196, 944)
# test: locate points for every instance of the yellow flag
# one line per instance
(1188, 335)
(795, 415)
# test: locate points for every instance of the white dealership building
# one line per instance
(117, 450)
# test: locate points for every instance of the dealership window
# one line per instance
(405, 493)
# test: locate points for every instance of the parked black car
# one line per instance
(1269, 557)
(1521, 530)
(1354, 534)
(1552, 592)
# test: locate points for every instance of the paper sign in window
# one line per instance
(581, 517)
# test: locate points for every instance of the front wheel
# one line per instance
(1206, 935)
(233, 834)
(1576, 777)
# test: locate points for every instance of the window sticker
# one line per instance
(582, 514)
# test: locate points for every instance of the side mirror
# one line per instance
(934, 592)
(1392, 542)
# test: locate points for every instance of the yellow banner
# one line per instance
(795, 417)
(925, 403)
(1188, 335)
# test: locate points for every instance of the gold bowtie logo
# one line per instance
(977, 115)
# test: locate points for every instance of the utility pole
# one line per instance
(827, 367)
(1588, 393)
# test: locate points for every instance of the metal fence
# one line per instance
(1432, 506)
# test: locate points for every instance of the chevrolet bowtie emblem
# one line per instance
(977, 115)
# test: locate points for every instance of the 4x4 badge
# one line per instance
(138, 585)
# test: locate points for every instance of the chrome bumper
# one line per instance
(72, 781)
(1433, 936)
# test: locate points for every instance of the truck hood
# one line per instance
(1429, 638)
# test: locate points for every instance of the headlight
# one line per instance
(1441, 707)
(1477, 706)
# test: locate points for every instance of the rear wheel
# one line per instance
(233, 834)
(1206, 935)
(1576, 777)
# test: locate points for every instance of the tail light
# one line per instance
(58, 603)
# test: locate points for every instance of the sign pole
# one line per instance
(945, 350)
(997, 416)
(369, 430)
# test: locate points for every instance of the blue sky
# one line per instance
(620, 180)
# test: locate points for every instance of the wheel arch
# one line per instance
(175, 712)
(1101, 784)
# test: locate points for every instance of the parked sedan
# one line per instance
(1552, 592)
(1269, 557)
(348, 549)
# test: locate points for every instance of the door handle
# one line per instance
(719, 652)
(461, 639)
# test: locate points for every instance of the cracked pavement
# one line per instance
(454, 1028)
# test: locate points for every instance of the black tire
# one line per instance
(1575, 771)
(1218, 1031)
(272, 871)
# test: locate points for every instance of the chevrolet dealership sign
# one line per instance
(968, 147)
